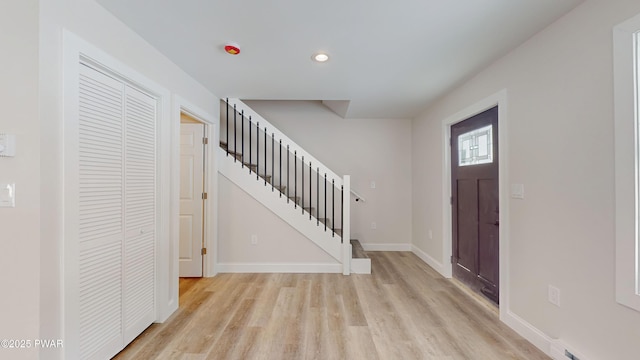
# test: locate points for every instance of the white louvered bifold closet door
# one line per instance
(117, 213)
(101, 212)
(140, 221)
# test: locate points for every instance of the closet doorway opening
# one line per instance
(193, 196)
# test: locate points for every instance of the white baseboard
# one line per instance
(279, 268)
(519, 325)
(435, 264)
(386, 247)
(527, 331)
(171, 308)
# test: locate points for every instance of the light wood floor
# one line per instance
(403, 310)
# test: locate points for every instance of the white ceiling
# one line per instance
(389, 59)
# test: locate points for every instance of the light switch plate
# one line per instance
(7, 145)
(7, 195)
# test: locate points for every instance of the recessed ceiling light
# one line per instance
(320, 57)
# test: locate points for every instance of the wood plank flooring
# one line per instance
(403, 310)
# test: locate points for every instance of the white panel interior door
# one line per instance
(191, 202)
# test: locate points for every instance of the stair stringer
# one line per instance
(229, 168)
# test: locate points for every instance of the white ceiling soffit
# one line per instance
(391, 59)
(339, 107)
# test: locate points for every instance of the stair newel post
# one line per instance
(318, 196)
(342, 212)
(325, 201)
(346, 225)
(265, 156)
(227, 126)
(249, 162)
(273, 162)
(258, 150)
(295, 179)
(288, 187)
(310, 193)
(242, 135)
(333, 207)
(235, 135)
(280, 168)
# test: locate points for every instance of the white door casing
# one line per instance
(191, 200)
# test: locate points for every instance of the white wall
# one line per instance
(367, 149)
(560, 120)
(241, 216)
(91, 22)
(19, 226)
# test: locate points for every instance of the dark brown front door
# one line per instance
(475, 212)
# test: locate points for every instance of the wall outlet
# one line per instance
(373, 184)
(554, 295)
(430, 235)
(7, 195)
(517, 191)
(374, 225)
(254, 239)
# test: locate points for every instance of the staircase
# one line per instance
(290, 182)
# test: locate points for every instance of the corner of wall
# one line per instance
(526, 330)
(431, 261)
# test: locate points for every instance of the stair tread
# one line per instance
(276, 187)
(357, 251)
(296, 198)
(237, 155)
(337, 231)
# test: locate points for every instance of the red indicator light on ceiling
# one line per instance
(232, 49)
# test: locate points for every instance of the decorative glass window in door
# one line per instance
(476, 147)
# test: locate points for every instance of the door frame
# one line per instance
(210, 233)
(202, 202)
(498, 99)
